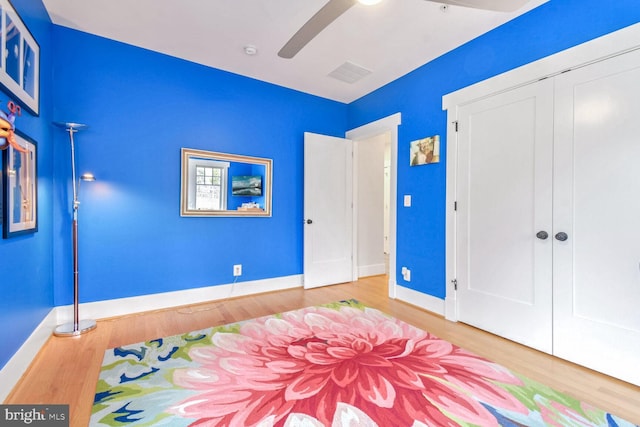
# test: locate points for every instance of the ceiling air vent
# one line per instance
(349, 72)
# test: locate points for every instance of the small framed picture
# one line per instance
(20, 188)
(425, 151)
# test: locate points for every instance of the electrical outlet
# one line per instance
(237, 270)
(406, 274)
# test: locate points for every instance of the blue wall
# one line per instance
(26, 290)
(555, 26)
(141, 108)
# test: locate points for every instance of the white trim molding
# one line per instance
(599, 49)
(124, 306)
(371, 270)
(419, 299)
(386, 124)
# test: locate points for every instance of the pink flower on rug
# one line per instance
(308, 361)
(559, 415)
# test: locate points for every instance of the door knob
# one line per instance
(562, 236)
(542, 235)
(309, 221)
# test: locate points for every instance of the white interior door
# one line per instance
(505, 154)
(328, 210)
(597, 204)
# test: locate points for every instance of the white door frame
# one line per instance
(607, 46)
(390, 125)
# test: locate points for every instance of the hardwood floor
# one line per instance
(66, 369)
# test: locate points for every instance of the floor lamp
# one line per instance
(77, 327)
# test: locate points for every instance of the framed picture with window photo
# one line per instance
(20, 63)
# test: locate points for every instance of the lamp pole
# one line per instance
(77, 327)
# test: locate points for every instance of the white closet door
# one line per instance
(505, 154)
(597, 204)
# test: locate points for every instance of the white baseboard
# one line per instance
(11, 373)
(393, 287)
(371, 270)
(451, 307)
(124, 306)
(13, 370)
(427, 302)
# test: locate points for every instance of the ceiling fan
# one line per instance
(334, 8)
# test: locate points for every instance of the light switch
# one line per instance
(407, 200)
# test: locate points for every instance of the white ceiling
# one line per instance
(390, 39)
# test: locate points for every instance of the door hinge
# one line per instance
(455, 284)
(455, 206)
(456, 125)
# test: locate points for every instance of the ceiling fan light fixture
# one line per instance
(369, 2)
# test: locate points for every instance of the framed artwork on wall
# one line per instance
(424, 151)
(20, 63)
(20, 188)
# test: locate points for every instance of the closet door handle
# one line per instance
(562, 236)
(542, 235)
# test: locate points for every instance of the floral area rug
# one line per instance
(336, 365)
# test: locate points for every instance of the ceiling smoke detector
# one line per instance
(250, 50)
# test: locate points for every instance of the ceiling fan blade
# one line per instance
(318, 22)
(497, 5)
